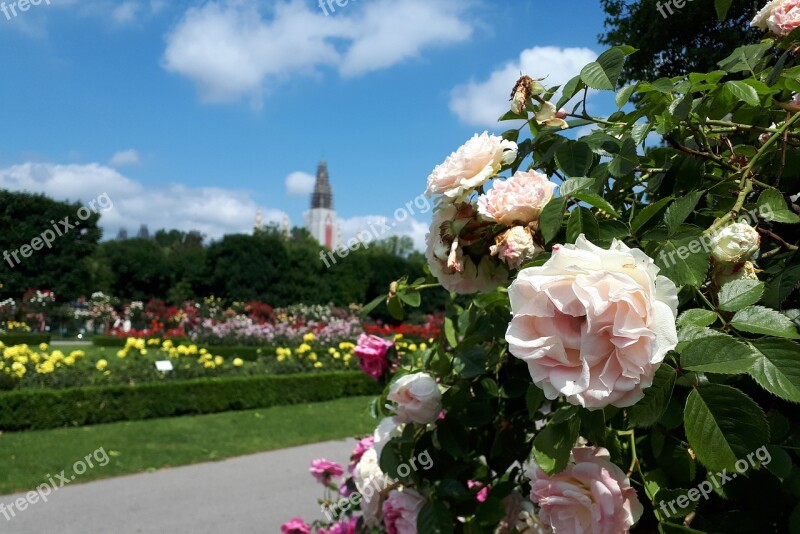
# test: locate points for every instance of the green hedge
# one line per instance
(40, 409)
(116, 341)
(249, 354)
(24, 339)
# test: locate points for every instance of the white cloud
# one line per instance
(230, 49)
(124, 158)
(300, 184)
(481, 103)
(125, 13)
(211, 210)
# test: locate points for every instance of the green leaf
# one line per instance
(626, 160)
(573, 185)
(413, 298)
(723, 425)
(593, 199)
(372, 305)
(680, 264)
(777, 367)
(649, 410)
(771, 206)
(396, 308)
(553, 445)
(782, 285)
(650, 211)
(624, 94)
(671, 496)
(450, 332)
(739, 294)
(696, 317)
(761, 320)
(552, 218)
(680, 210)
(470, 362)
(574, 158)
(722, 7)
(582, 221)
(743, 92)
(717, 354)
(435, 518)
(604, 73)
(745, 58)
(569, 90)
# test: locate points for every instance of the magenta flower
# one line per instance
(362, 446)
(345, 527)
(371, 352)
(324, 470)
(295, 526)
(483, 492)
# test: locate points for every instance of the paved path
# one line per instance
(249, 494)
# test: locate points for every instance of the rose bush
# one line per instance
(627, 358)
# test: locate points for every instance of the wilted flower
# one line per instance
(735, 243)
(515, 247)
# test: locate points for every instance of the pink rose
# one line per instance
(470, 167)
(362, 446)
(400, 511)
(344, 527)
(371, 353)
(456, 271)
(324, 470)
(483, 491)
(515, 247)
(295, 526)
(785, 17)
(593, 324)
(418, 399)
(518, 200)
(591, 495)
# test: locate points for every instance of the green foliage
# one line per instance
(33, 340)
(39, 409)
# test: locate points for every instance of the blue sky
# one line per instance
(194, 114)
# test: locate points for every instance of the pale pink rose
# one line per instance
(550, 117)
(518, 200)
(470, 167)
(593, 324)
(760, 20)
(592, 495)
(784, 18)
(324, 470)
(400, 511)
(515, 247)
(295, 526)
(417, 397)
(371, 353)
(448, 263)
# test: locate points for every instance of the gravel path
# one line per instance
(249, 494)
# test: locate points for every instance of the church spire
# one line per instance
(323, 195)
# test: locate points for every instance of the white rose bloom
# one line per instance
(761, 18)
(470, 167)
(735, 243)
(516, 247)
(386, 430)
(548, 116)
(417, 397)
(370, 482)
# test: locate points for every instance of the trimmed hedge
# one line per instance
(40, 409)
(116, 341)
(249, 354)
(24, 339)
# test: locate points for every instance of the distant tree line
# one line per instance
(177, 266)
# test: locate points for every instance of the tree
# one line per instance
(690, 39)
(65, 242)
(139, 267)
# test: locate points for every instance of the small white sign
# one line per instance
(164, 365)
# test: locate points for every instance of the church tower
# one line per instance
(321, 219)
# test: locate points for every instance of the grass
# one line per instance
(29, 457)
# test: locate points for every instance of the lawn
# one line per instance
(29, 457)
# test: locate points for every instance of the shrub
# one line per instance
(24, 339)
(40, 409)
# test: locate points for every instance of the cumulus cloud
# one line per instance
(300, 184)
(231, 49)
(124, 158)
(125, 13)
(481, 103)
(211, 210)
